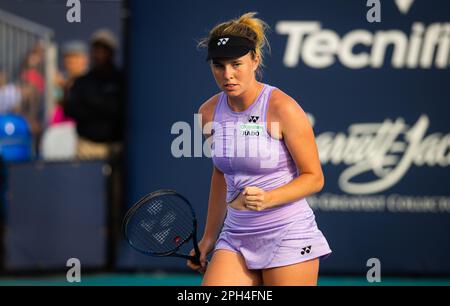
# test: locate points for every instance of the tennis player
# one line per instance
(259, 225)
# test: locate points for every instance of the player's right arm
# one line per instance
(217, 205)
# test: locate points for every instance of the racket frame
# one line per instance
(130, 213)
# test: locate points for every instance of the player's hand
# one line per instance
(205, 247)
(255, 198)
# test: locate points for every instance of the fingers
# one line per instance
(253, 198)
(250, 203)
(252, 191)
(193, 266)
(254, 202)
(257, 207)
(189, 263)
(200, 268)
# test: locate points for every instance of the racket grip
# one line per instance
(195, 260)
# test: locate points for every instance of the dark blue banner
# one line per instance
(377, 95)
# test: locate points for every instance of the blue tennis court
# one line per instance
(194, 280)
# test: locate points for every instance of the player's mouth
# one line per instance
(230, 86)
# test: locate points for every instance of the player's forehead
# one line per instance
(225, 61)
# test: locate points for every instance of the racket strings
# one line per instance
(160, 225)
(156, 239)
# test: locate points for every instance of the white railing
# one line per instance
(18, 36)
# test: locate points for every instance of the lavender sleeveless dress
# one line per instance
(248, 156)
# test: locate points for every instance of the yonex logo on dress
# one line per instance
(222, 41)
(306, 250)
(244, 140)
(253, 119)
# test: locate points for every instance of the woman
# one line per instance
(269, 236)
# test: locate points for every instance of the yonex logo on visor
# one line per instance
(229, 46)
(222, 41)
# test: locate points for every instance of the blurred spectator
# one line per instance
(75, 61)
(10, 95)
(96, 101)
(13, 94)
(60, 138)
(32, 68)
(32, 82)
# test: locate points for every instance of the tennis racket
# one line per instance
(160, 223)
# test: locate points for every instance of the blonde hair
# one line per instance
(246, 26)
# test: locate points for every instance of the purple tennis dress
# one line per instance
(248, 156)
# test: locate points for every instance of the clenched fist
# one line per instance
(255, 198)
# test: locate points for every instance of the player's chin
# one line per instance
(235, 92)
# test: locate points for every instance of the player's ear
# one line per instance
(256, 61)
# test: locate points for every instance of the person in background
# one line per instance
(10, 94)
(13, 95)
(96, 101)
(32, 84)
(75, 62)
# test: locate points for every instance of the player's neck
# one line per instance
(243, 101)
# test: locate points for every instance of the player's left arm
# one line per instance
(298, 136)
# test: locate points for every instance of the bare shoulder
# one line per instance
(206, 112)
(281, 103)
(285, 110)
(207, 108)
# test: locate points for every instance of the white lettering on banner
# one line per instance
(394, 203)
(386, 149)
(424, 47)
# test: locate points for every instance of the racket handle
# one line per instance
(195, 260)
